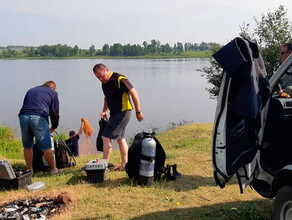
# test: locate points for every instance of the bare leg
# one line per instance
(107, 148)
(124, 152)
(49, 156)
(28, 154)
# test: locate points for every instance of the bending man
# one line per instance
(39, 103)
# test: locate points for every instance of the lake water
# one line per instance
(170, 90)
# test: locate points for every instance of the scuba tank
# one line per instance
(147, 160)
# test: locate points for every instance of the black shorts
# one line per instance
(116, 126)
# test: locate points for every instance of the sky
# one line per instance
(98, 22)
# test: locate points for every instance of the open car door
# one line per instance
(243, 93)
(276, 147)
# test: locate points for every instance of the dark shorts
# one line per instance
(116, 126)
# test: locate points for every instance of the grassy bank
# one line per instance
(185, 54)
(193, 196)
(10, 147)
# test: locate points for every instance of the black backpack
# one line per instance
(134, 153)
(63, 157)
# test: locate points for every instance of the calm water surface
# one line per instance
(170, 90)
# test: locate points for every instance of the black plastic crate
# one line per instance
(17, 183)
(95, 176)
(95, 170)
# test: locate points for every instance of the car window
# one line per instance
(286, 81)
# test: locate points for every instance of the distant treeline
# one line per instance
(117, 49)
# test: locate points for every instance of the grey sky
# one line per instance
(96, 22)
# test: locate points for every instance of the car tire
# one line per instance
(283, 204)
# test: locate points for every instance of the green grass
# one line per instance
(10, 147)
(62, 135)
(193, 196)
(6, 133)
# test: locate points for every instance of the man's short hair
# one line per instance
(99, 66)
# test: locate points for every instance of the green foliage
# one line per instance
(274, 29)
(213, 74)
(9, 53)
(51, 51)
(105, 50)
(117, 50)
(91, 50)
(271, 32)
(271, 58)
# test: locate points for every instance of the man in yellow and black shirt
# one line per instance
(117, 90)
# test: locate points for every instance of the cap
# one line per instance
(72, 133)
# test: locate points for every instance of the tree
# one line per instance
(105, 50)
(203, 46)
(127, 50)
(175, 48)
(91, 50)
(75, 50)
(153, 47)
(166, 49)
(213, 74)
(180, 47)
(271, 32)
(9, 53)
(145, 45)
(116, 50)
(31, 52)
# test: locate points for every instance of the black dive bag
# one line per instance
(99, 142)
(63, 157)
(134, 156)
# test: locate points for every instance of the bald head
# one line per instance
(51, 84)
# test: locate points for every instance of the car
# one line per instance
(252, 128)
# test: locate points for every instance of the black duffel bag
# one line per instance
(99, 143)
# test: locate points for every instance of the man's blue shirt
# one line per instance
(42, 101)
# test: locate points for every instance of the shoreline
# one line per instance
(198, 54)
